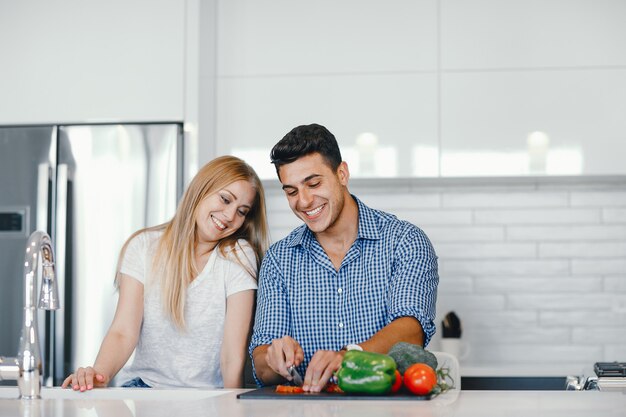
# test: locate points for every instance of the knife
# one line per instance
(295, 376)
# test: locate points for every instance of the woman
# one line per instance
(186, 288)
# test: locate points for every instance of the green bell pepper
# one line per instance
(366, 373)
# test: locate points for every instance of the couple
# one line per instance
(350, 278)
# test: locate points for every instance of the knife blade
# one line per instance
(295, 375)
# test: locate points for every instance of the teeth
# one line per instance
(314, 212)
(218, 223)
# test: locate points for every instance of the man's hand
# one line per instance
(282, 353)
(322, 366)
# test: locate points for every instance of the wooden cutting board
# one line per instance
(269, 393)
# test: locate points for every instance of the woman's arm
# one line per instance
(239, 310)
(119, 342)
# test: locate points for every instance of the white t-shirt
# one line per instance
(166, 357)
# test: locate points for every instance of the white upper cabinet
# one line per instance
(515, 34)
(429, 88)
(89, 61)
(533, 87)
(303, 37)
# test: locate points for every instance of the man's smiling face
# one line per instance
(314, 191)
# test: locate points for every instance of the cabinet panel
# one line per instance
(532, 33)
(76, 61)
(326, 36)
(254, 113)
(491, 120)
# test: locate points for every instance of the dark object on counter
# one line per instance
(366, 373)
(451, 326)
(513, 383)
(610, 369)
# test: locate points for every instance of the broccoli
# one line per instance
(406, 354)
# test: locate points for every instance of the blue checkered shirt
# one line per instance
(389, 272)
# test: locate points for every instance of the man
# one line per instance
(350, 278)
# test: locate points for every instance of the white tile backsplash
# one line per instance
(561, 301)
(456, 285)
(517, 267)
(505, 199)
(537, 274)
(534, 354)
(464, 233)
(519, 319)
(600, 198)
(530, 335)
(537, 216)
(583, 250)
(611, 215)
(614, 353)
(605, 333)
(599, 266)
(415, 202)
(615, 284)
(574, 232)
(594, 318)
(482, 250)
(534, 285)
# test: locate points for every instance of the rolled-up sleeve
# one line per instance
(414, 281)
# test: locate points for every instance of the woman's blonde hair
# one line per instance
(174, 257)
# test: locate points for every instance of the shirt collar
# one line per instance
(368, 227)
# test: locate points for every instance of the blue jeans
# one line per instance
(135, 383)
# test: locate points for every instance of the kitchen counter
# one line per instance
(119, 402)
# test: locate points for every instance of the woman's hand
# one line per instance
(85, 379)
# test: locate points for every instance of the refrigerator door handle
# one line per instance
(41, 223)
(61, 257)
(43, 178)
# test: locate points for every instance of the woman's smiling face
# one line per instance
(222, 213)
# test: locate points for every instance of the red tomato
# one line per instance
(420, 378)
(397, 384)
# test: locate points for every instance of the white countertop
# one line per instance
(125, 402)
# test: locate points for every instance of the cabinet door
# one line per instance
(75, 61)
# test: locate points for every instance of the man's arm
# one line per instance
(412, 292)
(403, 329)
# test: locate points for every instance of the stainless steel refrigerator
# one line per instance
(89, 187)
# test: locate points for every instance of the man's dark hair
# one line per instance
(305, 140)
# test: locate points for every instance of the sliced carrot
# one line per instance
(330, 387)
(289, 389)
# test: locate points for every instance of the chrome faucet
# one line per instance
(27, 367)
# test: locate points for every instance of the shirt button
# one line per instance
(340, 290)
(341, 325)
